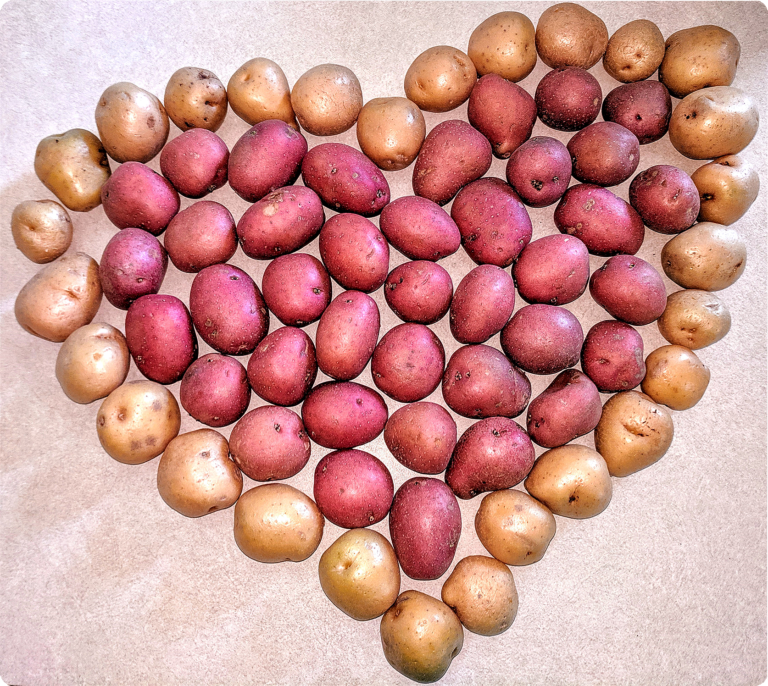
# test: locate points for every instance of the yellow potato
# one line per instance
(694, 319)
(504, 44)
(440, 79)
(634, 52)
(327, 99)
(675, 377)
(195, 99)
(569, 35)
(258, 91)
(41, 229)
(390, 132)
(727, 188)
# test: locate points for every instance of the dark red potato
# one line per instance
(666, 198)
(539, 171)
(420, 228)
(604, 153)
(643, 107)
(419, 292)
(215, 390)
(195, 162)
(483, 303)
(422, 437)
(296, 288)
(200, 236)
(568, 99)
(612, 356)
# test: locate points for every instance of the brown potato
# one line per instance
(675, 377)
(390, 132)
(195, 99)
(481, 591)
(440, 79)
(195, 475)
(73, 166)
(41, 229)
(633, 433)
(694, 319)
(727, 188)
(634, 51)
(569, 35)
(360, 575)
(258, 91)
(132, 123)
(92, 362)
(327, 99)
(137, 421)
(277, 523)
(504, 44)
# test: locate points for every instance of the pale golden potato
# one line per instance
(675, 377)
(277, 523)
(440, 79)
(195, 99)
(133, 124)
(504, 44)
(327, 99)
(569, 35)
(420, 636)
(481, 591)
(360, 574)
(137, 421)
(92, 362)
(196, 476)
(41, 229)
(727, 188)
(63, 296)
(694, 319)
(634, 52)
(258, 91)
(633, 433)
(390, 132)
(73, 165)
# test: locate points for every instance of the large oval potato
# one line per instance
(440, 79)
(504, 44)
(634, 51)
(675, 377)
(482, 305)
(258, 91)
(327, 99)
(569, 35)
(727, 188)
(41, 229)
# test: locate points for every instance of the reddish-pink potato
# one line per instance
(552, 270)
(422, 437)
(643, 107)
(420, 228)
(604, 153)
(296, 288)
(215, 390)
(419, 292)
(539, 171)
(200, 236)
(195, 162)
(483, 303)
(612, 356)
(666, 198)
(568, 99)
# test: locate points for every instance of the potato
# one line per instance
(568, 99)
(480, 382)
(421, 436)
(440, 79)
(352, 488)
(513, 527)
(569, 35)
(296, 288)
(277, 523)
(481, 591)
(539, 171)
(453, 155)
(390, 132)
(666, 198)
(420, 636)
(694, 319)
(572, 481)
(195, 98)
(420, 228)
(132, 123)
(419, 291)
(345, 179)
(92, 362)
(195, 162)
(137, 421)
(727, 188)
(644, 108)
(60, 298)
(483, 303)
(343, 414)
(201, 235)
(633, 433)
(675, 377)
(425, 526)
(73, 165)
(504, 44)
(195, 475)
(713, 122)
(283, 367)
(634, 51)
(707, 256)
(359, 574)
(491, 455)
(214, 390)
(41, 229)
(258, 91)
(612, 356)
(327, 99)
(270, 444)
(604, 153)
(347, 334)
(408, 362)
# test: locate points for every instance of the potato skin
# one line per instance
(195, 162)
(666, 199)
(612, 356)
(41, 229)
(419, 291)
(644, 108)
(195, 98)
(634, 51)
(539, 171)
(694, 319)
(482, 305)
(504, 44)
(327, 99)
(420, 228)
(390, 132)
(296, 288)
(727, 188)
(569, 35)
(199, 236)
(675, 377)
(440, 79)
(214, 390)
(258, 91)
(568, 99)
(604, 153)
(421, 436)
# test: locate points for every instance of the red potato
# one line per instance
(539, 171)
(493, 222)
(160, 337)
(135, 196)
(200, 236)
(296, 288)
(215, 390)
(604, 153)
(419, 292)
(133, 264)
(666, 198)
(643, 107)
(453, 155)
(353, 489)
(420, 228)
(195, 162)
(283, 367)
(266, 157)
(612, 356)
(552, 270)
(483, 303)
(228, 310)
(421, 436)
(345, 179)
(491, 455)
(568, 99)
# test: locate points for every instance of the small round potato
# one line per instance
(440, 79)
(421, 636)
(259, 91)
(132, 123)
(569, 35)
(504, 44)
(633, 433)
(360, 575)
(634, 52)
(137, 421)
(390, 132)
(92, 362)
(277, 523)
(727, 188)
(694, 319)
(195, 99)
(675, 377)
(41, 229)
(327, 99)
